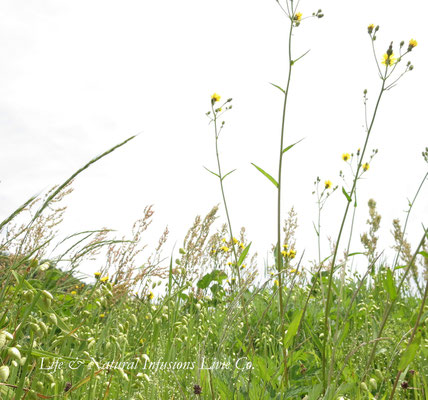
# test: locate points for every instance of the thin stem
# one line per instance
(278, 247)
(330, 280)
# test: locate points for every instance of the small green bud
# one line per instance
(373, 383)
(13, 352)
(52, 317)
(4, 373)
(47, 294)
(364, 386)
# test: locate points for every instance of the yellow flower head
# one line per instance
(327, 184)
(77, 286)
(215, 97)
(235, 240)
(291, 254)
(97, 274)
(73, 292)
(150, 295)
(223, 240)
(388, 60)
(366, 166)
(276, 282)
(284, 253)
(224, 248)
(102, 315)
(242, 246)
(285, 246)
(298, 16)
(412, 43)
(370, 28)
(346, 156)
(229, 263)
(243, 266)
(104, 279)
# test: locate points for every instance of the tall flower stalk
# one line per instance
(390, 63)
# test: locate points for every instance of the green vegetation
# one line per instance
(207, 323)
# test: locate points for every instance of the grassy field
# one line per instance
(209, 321)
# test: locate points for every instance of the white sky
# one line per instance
(78, 77)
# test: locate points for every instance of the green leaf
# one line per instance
(291, 145)
(267, 175)
(227, 174)
(215, 275)
(390, 285)
(280, 88)
(212, 172)
(243, 255)
(292, 329)
(410, 353)
(297, 59)
(346, 194)
(423, 253)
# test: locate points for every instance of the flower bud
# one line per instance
(13, 352)
(373, 383)
(4, 373)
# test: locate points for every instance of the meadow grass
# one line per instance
(207, 323)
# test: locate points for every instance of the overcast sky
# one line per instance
(78, 77)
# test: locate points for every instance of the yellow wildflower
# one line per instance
(243, 266)
(327, 184)
(413, 43)
(150, 295)
(235, 240)
(276, 282)
(104, 279)
(284, 253)
(223, 240)
(229, 263)
(370, 28)
(291, 254)
(346, 156)
(366, 166)
(388, 60)
(215, 97)
(242, 246)
(224, 248)
(97, 274)
(298, 16)
(73, 292)
(102, 315)
(285, 246)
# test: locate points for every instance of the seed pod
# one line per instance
(378, 374)
(2, 340)
(373, 383)
(13, 352)
(47, 294)
(28, 296)
(4, 373)
(34, 327)
(122, 373)
(22, 361)
(364, 386)
(53, 319)
(43, 327)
